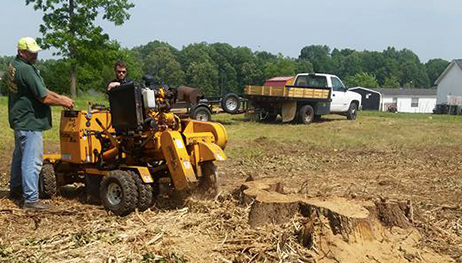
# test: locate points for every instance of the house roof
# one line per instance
(457, 62)
(407, 92)
(370, 90)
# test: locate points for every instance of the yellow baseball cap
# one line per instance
(29, 44)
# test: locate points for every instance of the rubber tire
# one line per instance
(352, 112)
(47, 181)
(145, 193)
(306, 114)
(208, 182)
(228, 99)
(202, 113)
(129, 192)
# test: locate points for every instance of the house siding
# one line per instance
(403, 104)
(450, 84)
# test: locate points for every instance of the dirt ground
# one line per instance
(217, 230)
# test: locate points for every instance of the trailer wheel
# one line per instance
(352, 112)
(230, 103)
(145, 193)
(306, 114)
(202, 113)
(119, 193)
(47, 181)
(208, 181)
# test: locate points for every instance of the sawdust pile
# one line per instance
(214, 230)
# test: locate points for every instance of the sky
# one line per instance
(430, 28)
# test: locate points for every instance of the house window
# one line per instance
(414, 102)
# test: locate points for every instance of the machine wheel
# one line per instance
(145, 193)
(119, 193)
(201, 113)
(208, 181)
(306, 114)
(47, 181)
(230, 103)
(352, 112)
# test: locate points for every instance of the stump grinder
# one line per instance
(124, 154)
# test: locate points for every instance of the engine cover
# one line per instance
(126, 107)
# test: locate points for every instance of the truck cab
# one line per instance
(341, 98)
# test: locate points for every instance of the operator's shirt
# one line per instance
(26, 88)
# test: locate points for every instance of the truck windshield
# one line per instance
(311, 81)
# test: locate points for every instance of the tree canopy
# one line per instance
(220, 68)
(69, 26)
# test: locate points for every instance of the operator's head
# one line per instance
(120, 70)
(28, 49)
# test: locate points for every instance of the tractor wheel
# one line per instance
(145, 193)
(208, 181)
(230, 103)
(47, 181)
(202, 113)
(119, 193)
(352, 112)
(306, 114)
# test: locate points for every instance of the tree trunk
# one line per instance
(73, 73)
(351, 219)
(73, 81)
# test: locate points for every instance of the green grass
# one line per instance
(372, 130)
(6, 137)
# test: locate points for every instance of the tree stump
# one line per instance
(351, 220)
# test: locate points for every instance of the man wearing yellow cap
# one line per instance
(29, 114)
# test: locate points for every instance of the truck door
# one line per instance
(339, 99)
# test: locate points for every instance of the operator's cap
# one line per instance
(29, 44)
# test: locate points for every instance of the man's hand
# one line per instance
(67, 102)
(113, 85)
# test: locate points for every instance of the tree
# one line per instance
(362, 79)
(391, 82)
(204, 76)
(69, 27)
(319, 56)
(162, 64)
(434, 68)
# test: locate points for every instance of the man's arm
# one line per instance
(54, 99)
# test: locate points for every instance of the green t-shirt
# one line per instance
(26, 88)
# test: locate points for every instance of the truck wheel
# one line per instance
(352, 112)
(306, 114)
(47, 181)
(202, 114)
(230, 103)
(145, 193)
(119, 193)
(208, 180)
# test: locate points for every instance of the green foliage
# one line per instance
(68, 26)
(362, 79)
(204, 76)
(391, 82)
(435, 68)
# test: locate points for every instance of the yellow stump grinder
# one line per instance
(124, 153)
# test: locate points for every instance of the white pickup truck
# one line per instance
(305, 97)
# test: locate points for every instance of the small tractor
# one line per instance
(125, 153)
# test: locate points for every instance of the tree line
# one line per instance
(220, 68)
(88, 55)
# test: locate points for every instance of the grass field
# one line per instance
(400, 156)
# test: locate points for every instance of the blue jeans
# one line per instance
(26, 164)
